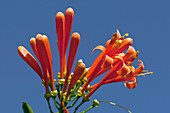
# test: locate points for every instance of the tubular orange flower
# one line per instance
(68, 25)
(111, 74)
(77, 74)
(60, 29)
(41, 48)
(125, 73)
(75, 40)
(63, 29)
(110, 57)
(116, 45)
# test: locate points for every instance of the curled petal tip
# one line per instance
(132, 84)
(99, 47)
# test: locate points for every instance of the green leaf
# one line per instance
(27, 108)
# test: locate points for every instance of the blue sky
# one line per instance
(146, 21)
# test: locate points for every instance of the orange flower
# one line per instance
(75, 77)
(75, 40)
(63, 29)
(118, 63)
(41, 48)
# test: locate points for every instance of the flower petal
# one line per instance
(94, 69)
(107, 43)
(111, 74)
(115, 37)
(132, 84)
(125, 44)
(124, 70)
(107, 64)
(130, 55)
(100, 47)
(140, 69)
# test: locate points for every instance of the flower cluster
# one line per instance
(115, 61)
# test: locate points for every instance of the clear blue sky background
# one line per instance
(147, 22)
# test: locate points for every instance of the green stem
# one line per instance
(48, 101)
(112, 103)
(58, 89)
(61, 109)
(88, 109)
(74, 102)
(56, 104)
(82, 102)
(77, 87)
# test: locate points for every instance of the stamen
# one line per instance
(145, 73)
(126, 34)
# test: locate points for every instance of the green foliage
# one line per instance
(27, 108)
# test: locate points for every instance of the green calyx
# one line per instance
(85, 98)
(61, 81)
(54, 93)
(88, 89)
(47, 96)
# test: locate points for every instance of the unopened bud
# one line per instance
(96, 103)
(47, 96)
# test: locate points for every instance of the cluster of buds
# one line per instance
(113, 61)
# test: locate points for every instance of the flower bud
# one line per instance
(96, 103)
(47, 96)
